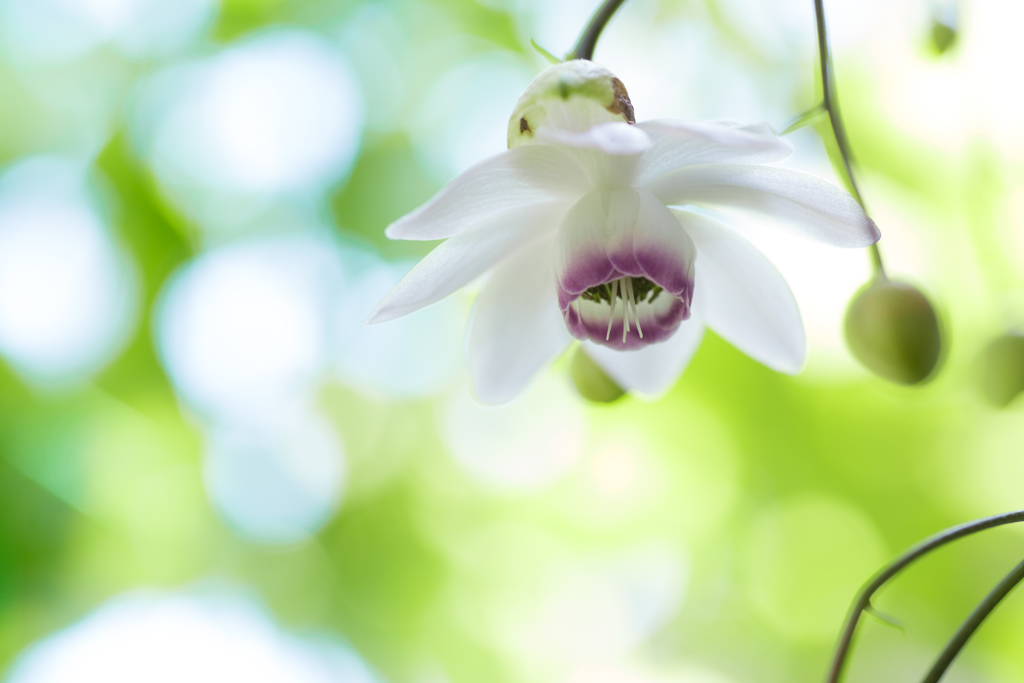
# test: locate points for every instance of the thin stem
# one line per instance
(863, 599)
(588, 39)
(971, 624)
(829, 101)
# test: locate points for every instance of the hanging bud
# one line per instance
(573, 95)
(591, 381)
(943, 36)
(892, 329)
(1002, 369)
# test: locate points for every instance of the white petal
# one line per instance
(798, 201)
(461, 259)
(653, 369)
(743, 297)
(517, 327)
(687, 143)
(493, 191)
(607, 153)
(611, 138)
(581, 245)
(652, 245)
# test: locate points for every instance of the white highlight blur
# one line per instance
(524, 445)
(463, 119)
(599, 608)
(376, 40)
(53, 31)
(279, 112)
(620, 673)
(992, 63)
(249, 331)
(823, 280)
(242, 329)
(67, 293)
(276, 483)
(195, 637)
(415, 355)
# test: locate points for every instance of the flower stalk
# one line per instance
(971, 624)
(831, 106)
(863, 600)
(588, 39)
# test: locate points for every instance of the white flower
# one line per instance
(574, 226)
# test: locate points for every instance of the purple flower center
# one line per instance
(629, 291)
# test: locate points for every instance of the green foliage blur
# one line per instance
(714, 535)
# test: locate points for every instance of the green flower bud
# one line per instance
(573, 95)
(591, 381)
(942, 34)
(892, 329)
(943, 37)
(1002, 369)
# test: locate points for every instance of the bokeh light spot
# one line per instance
(412, 356)
(276, 484)
(616, 673)
(199, 637)
(242, 329)
(52, 31)
(67, 292)
(275, 113)
(464, 117)
(601, 607)
(524, 445)
(804, 559)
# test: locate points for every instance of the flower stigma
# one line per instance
(630, 290)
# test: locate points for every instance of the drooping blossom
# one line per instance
(587, 229)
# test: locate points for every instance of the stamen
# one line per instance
(625, 310)
(632, 303)
(611, 316)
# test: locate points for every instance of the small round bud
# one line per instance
(1002, 369)
(892, 329)
(591, 381)
(942, 34)
(943, 37)
(573, 95)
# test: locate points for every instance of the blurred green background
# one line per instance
(211, 471)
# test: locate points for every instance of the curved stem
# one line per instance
(588, 39)
(831, 105)
(863, 599)
(971, 624)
